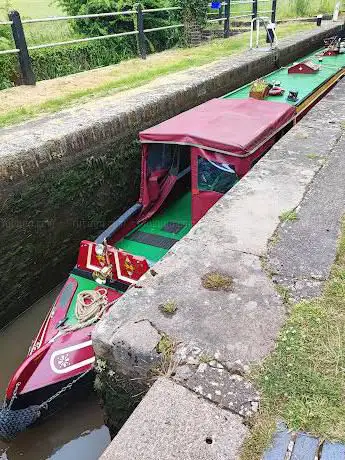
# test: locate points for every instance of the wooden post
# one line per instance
(274, 11)
(141, 35)
(227, 20)
(28, 76)
(255, 12)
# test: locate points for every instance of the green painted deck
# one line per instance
(304, 84)
(179, 212)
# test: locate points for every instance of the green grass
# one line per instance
(42, 32)
(180, 60)
(30, 8)
(303, 8)
(303, 381)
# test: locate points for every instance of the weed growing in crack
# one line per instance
(167, 366)
(288, 216)
(284, 293)
(206, 359)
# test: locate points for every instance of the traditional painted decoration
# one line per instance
(71, 358)
(305, 67)
(106, 262)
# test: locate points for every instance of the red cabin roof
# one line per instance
(232, 126)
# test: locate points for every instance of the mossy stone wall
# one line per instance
(43, 219)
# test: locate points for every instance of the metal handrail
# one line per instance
(216, 20)
(163, 28)
(98, 15)
(242, 16)
(14, 51)
(81, 40)
(101, 37)
(170, 8)
(80, 16)
(257, 21)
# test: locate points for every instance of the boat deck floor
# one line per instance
(305, 84)
(154, 238)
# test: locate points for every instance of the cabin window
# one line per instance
(168, 157)
(215, 176)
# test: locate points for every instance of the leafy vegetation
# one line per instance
(196, 9)
(156, 41)
(303, 381)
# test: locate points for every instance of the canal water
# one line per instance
(77, 432)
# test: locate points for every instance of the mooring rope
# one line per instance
(90, 306)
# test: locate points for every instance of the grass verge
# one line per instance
(135, 73)
(303, 381)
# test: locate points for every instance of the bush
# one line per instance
(9, 72)
(65, 60)
(124, 23)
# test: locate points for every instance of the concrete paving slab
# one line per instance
(215, 382)
(238, 325)
(173, 423)
(306, 248)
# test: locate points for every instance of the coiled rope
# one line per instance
(90, 306)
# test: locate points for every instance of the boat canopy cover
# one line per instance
(232, 126)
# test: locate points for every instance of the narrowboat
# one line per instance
(187, 164)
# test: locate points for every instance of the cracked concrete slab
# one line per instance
(171, 422)
(214, 382)
(306, 248)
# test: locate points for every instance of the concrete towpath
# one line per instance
(200, 409)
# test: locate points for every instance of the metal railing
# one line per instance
(226, 16)
(22, 49)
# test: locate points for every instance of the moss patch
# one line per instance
(216, 281)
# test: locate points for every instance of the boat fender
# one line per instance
(13, 422)
(276, 91)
